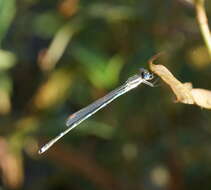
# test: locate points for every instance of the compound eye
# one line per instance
(150, 76)
(146, 74)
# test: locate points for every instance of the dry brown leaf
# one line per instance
(202, 97)
(183, 91)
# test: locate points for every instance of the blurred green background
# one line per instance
(58, 56)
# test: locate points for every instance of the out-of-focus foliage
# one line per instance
(58, 56)
(7, 13)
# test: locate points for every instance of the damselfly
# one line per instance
(75, 119)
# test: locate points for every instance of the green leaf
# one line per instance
(7, 60)
(101, 71)
(7, 12)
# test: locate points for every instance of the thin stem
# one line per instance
(203, 23)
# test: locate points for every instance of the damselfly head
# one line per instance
(146, 75)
